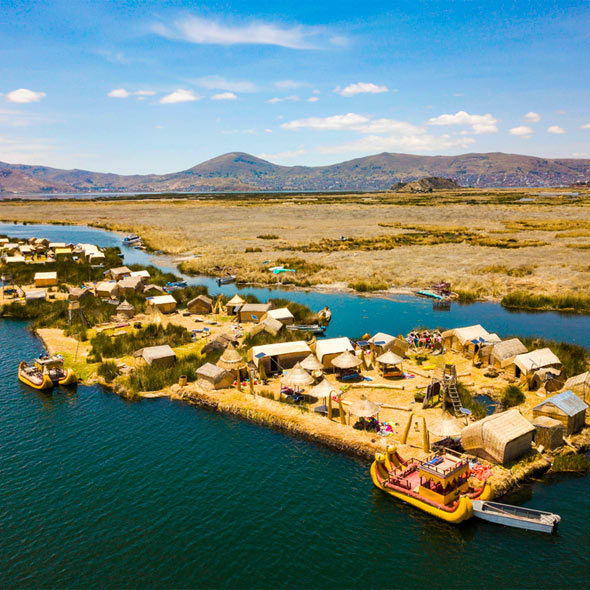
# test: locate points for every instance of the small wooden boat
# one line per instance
(516, 516)
(131, 239)
(315, 329)
(33, 377)
(439, 486)
(53, 366)
(226, 280)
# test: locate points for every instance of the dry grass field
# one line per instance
(486, 242)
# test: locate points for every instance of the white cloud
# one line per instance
(532, 117)
(313, 99)
(585, 126)
(316, 91)
(292, 98)
(122, 93)
(360, 88)
(479, 123)
(521, 131)
(381, 134)
(179, 95)
(288, 155)
(207, 31)
(224, 96)
(556, 130)
(580, 155)
(220, 83)
(289, 84)
(24, 96)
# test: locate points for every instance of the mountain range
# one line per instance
(238, 171)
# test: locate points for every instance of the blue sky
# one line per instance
(139, 87)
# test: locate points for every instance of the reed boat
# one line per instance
(442, 485)
(516, 516)
(53, 366)
(33, 377)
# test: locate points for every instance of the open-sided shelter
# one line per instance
(390, 364)
(500, 437)
(565, 407)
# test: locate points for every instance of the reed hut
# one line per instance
(157, 356)
(580, 385)
(17, 259)
(78, 293)
(63, 252)
(25, 250)
(468, 340)
(232, 360)
(253, 312)
(549, 433)
(504, 353)
(108, 289)
(200, 304)
(346, 363)
(233, 304)
(323, 390)
(125, 311)
(269, 326)
(501, 437)
(390, 364)
(566, 408)
(328, 349)
(144, 275)
(45, 279)
(211, 377)
(151, 290)
(163, 303)
(531, 362)
(381, 343)
(130, 285)
(118, 273)
(283, 315)
(36, 295)
(274, 358)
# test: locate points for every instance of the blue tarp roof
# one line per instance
(568, 402)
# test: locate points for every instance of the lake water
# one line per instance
(96, 492)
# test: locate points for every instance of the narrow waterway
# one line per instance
(97, 492)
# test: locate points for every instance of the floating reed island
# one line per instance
(517, 405)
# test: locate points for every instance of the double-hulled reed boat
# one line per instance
(54, 367)
(442, 485)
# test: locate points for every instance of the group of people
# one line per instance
(425, 339)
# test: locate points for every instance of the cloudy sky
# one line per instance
(138, 87)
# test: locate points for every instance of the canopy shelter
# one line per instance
(447, 426)
(346, 364)
(364, 408)
(390, 364)
(311, 363)
(324, 390)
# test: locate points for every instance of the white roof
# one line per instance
(280, 314)
(34, 295)
(107, 286)
(536, 359)
(141, 273)
(382, 338)
(161, 299)
(476, 332)
(332, 346)
(298, 346)
(15, 259)
(45, 275)
(57, 244)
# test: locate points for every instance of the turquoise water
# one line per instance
(96, 492)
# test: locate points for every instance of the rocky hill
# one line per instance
(237, 171)
(425, 185)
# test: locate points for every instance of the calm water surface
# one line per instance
(96, 492)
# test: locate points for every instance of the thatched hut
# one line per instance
(235, 302)
(328, 349)
(282, 315)
(35, 295)
(447, 426)
(200, 304)
(274, 358)
(158, 356)
(390, 364)
(381, 343)
(232, 360)
(311, 363)
(468, 340)
(130, 285)
(549, 433)
(500, 437)
(150, 290)
(323, 390)
(269, 326)
(78, 294)
(45, 279)
(144, 275)
(580, 385)
(565, 407)
(119, 273)
(504, 353)
(107, 289)
(531, 362)
(252, 312)
(125, 311)
(163, 303)
(211, 377)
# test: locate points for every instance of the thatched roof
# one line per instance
(472, 333)
(389, 358)
(200, 299)
(297, 377)
(381, 339)
(537, 359)
(323, 389)
(280, 314)
(236, 300)
(578, 381)
(447, 426)
(364, 408)
(332, 346)
(211, 372)
(125, 306)
(346, 360)
(311, 363)
(231, 359)
(155, 353)
(297, 347)
(508, 349)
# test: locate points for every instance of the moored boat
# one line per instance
(442, 485)
(226, 280)
(53, 366)
(516, 516)
(131, 239)
(315, 329)
(33, 377)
